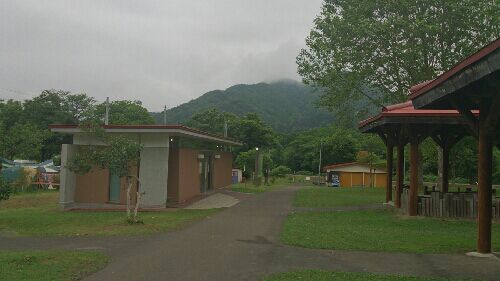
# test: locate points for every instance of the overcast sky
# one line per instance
(161, 52)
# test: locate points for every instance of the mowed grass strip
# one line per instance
(49, 265)
(320, 275)
(249, 187)
(38, 214)
(382, 230)
(321, 197)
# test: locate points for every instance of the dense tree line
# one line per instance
(300, 151)
(24, 131)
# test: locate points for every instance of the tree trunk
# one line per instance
(129, 190)
(136, 209)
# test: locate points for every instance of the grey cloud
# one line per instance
(161, 52)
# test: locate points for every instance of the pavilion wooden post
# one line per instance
(400, 167)
(414, 160)
(388, 189)
(387, 137)
(446, 169)
(488, 120)
(446, 141)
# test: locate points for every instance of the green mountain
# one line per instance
(287, 106)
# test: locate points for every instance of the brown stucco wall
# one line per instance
(93, 187)
(189, 176)
(222, 169)
(173, 175)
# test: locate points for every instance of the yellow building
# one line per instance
(355, 174)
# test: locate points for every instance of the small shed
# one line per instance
(237, 176)
(355, 174)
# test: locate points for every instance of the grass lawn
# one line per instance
(320, 275)
(382, 230)
(38, 214)
(49, 265)
(336, 197)
(249, 187)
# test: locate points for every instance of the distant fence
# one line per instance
(450, 204)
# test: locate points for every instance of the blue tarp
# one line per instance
(12, 174)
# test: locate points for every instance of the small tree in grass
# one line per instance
(368, 158)
(5, 189)
(118, 154)
(281, 171)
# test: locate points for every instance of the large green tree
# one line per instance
(249, 129)
(390, 46)
(123, 112)
(25, 141)
(213, 121)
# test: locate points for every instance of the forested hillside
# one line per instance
(287, 106)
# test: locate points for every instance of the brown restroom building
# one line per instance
(176, 164)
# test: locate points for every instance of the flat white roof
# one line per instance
(173, 130)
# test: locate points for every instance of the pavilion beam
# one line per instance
(446, 141)
(469, 118)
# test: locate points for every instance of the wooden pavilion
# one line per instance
(400, 124)
(473, 84)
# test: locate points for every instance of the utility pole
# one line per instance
(165, 115)
(225, 128)
(106, 117)
(319, 165)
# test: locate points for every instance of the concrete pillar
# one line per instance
(153, 174)
(68, 178)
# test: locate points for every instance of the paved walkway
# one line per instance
(340, 209)
(217, 200)
(241, 243)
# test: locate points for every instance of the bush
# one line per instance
(304, 173)
(57, 160)
(430, 178)
(5, 190)
(281, 171)
(257, 181)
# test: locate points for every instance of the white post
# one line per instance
(106, 117)
(165, 115)
(319, 165)
(225, 128)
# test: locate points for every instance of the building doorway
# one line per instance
(114, 188)
(206, 168)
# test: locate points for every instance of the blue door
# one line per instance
(114, 188)
(235, 177)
